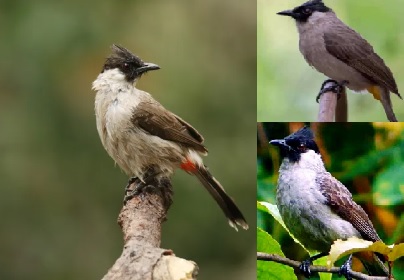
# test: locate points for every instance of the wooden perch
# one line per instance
(142, 259)
(331, 106)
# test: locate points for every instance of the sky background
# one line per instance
(288, 86)
(60, 192)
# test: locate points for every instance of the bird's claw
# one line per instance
(345, 269)
(305, 268)
(331, 85)
(132, 192)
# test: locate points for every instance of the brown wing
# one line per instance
(156, 120)
(340, 200)
(349, 47)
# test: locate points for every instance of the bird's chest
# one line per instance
(312, 47)
(301, 205)
(113, 115)
(297, 192)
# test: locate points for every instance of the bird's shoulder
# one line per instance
(153, 118)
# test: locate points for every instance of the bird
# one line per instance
(145, 139)
(340, 53)
(316, 207)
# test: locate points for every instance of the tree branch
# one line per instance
(331, 106)
(315, 268)
(342, 107)
(140, 220)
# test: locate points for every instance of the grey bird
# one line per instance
(340, 53)
(316, 207)
(146, 140)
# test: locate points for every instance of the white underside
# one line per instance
(302, 205)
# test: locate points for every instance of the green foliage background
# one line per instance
(367, 157)
(60, 192)
(287, 85)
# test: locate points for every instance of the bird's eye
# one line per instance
(126, 65)
(302, 147)
(306, 11)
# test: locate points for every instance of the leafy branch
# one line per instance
(315, 268)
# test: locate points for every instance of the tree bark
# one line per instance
(140, 220)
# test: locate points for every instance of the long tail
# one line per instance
(373, 263)
(228, 206)
(386, 102)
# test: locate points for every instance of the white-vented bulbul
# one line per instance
(316, 207)
(141, 135)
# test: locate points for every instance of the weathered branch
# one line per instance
(315, 268)
(142, 259)
(331, 107)
(342, 107)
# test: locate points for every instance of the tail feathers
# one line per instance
(386, 102)
(373, 263)
(228, 206)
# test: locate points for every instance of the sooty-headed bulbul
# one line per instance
(340, 53)
(316, 207)
(141, 135)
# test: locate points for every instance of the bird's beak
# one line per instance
(280, 143)
(289, 13)
(147, 67)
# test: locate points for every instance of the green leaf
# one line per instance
(388, 187)
(271, 270)
(273, 210)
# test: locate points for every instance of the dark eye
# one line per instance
(302, 147)
(306, 11)
(126, 65)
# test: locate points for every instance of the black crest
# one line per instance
(129, 64)
(304, 11)
(295, 144)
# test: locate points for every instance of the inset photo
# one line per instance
(327, 61)
(330, 200)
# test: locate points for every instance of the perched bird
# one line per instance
(337, 51)
(316, 207)
(144, 138)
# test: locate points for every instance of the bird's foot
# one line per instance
(305, 268)
(345, 269)
(305, 265)
(130, 182)
(147, 184)
(331, 85)
(131, 192)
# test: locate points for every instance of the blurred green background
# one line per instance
(288, 86)
(368, 158)
(60, 191)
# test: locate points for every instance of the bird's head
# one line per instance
(296, 144)
(130, 65)
(303, 12)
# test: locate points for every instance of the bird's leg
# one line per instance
(139, 184)
(346, 268)
(331, 85)
(130, 182)
(305, 265)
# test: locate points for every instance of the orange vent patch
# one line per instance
(375, 91)
(188, 166)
